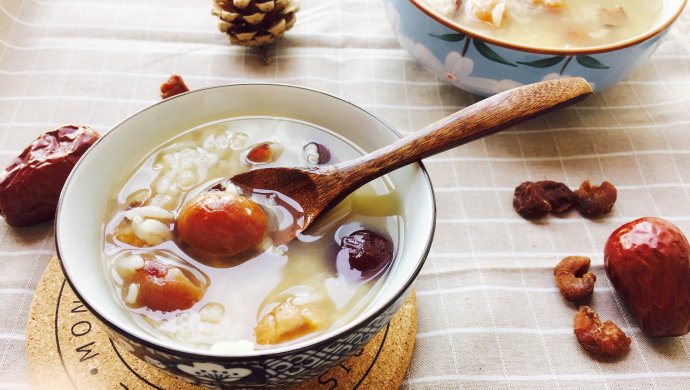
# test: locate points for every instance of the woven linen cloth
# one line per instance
(490, 315)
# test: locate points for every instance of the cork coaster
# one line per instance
(66, 349)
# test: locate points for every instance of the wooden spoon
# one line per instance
(318, 189)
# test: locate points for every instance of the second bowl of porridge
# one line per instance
(489, 46)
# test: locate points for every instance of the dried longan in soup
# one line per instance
(158, 286)
(290, 320)
(489, 11)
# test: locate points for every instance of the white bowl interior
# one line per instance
(81, 214)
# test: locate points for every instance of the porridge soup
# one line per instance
(554, 23)
(267, 290)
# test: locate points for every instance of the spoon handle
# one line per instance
(478, 120)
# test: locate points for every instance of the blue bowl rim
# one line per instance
(265, 354)
(547, 50)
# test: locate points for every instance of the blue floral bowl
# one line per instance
(485, 66)
(86, 195)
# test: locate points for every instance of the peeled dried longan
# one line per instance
(166, 288)
(599, 338)
(536, 200)
(594, 201)
(573, 278)
(289, 321)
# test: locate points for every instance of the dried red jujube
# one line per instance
(316, 153)
(648, 262)
(366, 251)
(31, 185)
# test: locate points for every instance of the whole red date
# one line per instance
(364, 253)
(30, 186)
(648, 262)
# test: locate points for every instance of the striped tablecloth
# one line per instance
(490, 315)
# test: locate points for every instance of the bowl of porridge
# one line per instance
(219, 286)
(489, 46)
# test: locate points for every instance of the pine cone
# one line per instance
(255, 22)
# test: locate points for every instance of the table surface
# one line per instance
(490, 315)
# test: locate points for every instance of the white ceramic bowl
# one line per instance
(81, 216)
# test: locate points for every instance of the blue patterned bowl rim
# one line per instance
(269, 353)
(548, 50)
